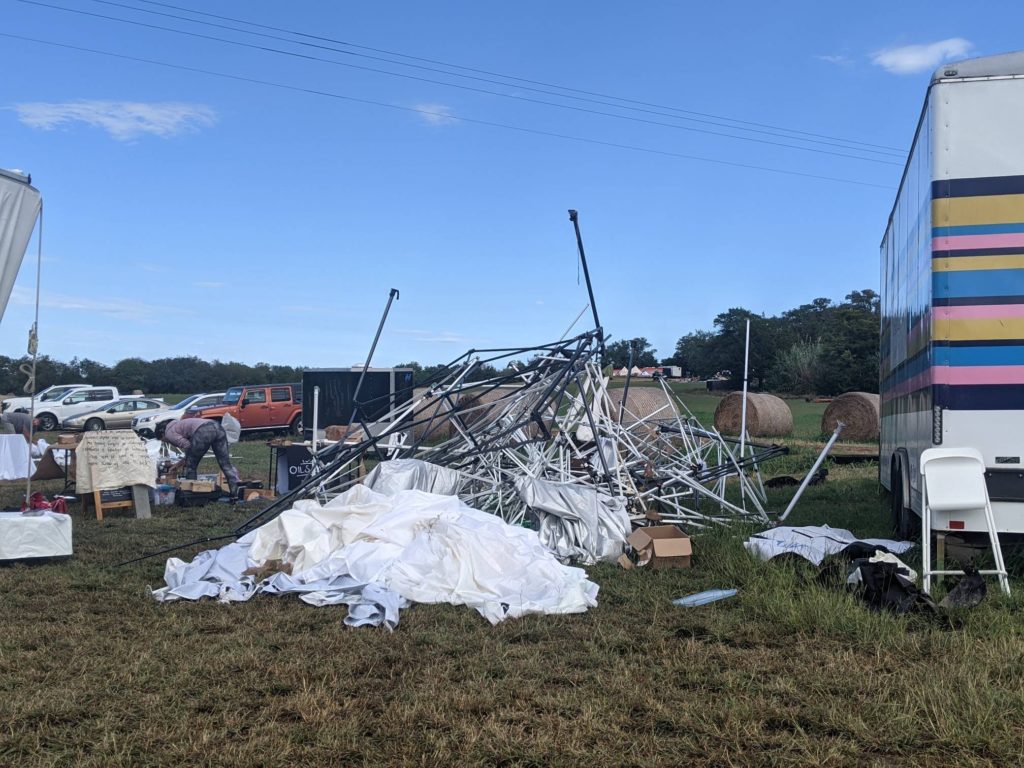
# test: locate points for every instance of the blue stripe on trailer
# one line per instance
(981, 355)
(979, 229)
(982, 282)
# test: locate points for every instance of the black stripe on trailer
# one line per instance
(978, 187)
(979, 397)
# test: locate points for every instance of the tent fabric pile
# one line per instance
(378, 553)
(576, 522)
(814, 542)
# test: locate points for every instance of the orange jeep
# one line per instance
(258, 407)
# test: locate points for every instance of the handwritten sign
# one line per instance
(112, 459)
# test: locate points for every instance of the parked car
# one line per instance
(78, 401)
(49, 394)
(151, 424)
(259, 406)
(116, 415)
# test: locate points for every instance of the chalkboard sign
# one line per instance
(116, 494)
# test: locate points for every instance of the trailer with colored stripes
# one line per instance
(952, 298)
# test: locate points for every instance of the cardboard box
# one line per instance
(202, 486)
(661, 546)
(258, 493)
(64, 440)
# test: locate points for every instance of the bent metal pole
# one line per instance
(574, 218)
(392, 295)
(810, 473)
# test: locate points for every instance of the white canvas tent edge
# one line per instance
(20, 204)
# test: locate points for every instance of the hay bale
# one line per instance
(642, 403)
(440, 427)
(859, 411)
(767, 415)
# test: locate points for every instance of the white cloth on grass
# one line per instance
(377, 553)
(813, 542)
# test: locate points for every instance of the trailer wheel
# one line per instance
(905, 522)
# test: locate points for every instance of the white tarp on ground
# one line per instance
(390, 477)
(375, 552)
(40, 533)
(813, 542)
(576, 522)
(19, 207)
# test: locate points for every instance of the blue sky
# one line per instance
(193, 214)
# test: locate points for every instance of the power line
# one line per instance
(897, 150)
(429, 113)
(527, 99)
(716, 121)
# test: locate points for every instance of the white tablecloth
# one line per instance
(22, 536)
(15, 459)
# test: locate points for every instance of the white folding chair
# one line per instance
(954, 482)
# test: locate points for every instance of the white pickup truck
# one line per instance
(53, 413)
(55, 392)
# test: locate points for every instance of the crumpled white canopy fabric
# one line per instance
(576, 522)
(813, 542)
(390, 477)
(377, 553)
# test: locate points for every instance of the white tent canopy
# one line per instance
(19, 208)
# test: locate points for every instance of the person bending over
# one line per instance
(21, 423)
(195, 437)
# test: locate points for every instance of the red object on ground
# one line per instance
(36, 501)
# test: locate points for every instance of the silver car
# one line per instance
(151, 423)
(116, 415)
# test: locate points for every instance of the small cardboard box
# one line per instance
(67, 439)
(661, 546)
(202, 486)
(258, 493)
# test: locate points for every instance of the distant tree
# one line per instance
(693, 354)
(849, 355)
(797, 369)
(644, 355)
(727, 348)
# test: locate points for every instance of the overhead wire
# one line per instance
(716, 121)
(433, 114)
(406, 76)
(892, 150)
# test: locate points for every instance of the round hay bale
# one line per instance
(859, 411)
(642, 403)
(767, 415)
(433, 415)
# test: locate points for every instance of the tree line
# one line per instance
(822, 347)
(180, 375)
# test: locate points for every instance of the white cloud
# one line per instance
(909, 59)
(436, 114)
(121, 309)
(123, 120)
(438, 337)
(208, 284)
(834, 58)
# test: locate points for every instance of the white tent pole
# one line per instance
(743, 411)
(33, 348)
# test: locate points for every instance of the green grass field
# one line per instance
(95, 673)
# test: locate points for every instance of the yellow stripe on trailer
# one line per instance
(985, 209)
(981, 329)
(970, 263)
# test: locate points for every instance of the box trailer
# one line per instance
(383, 390)
(952, 292)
